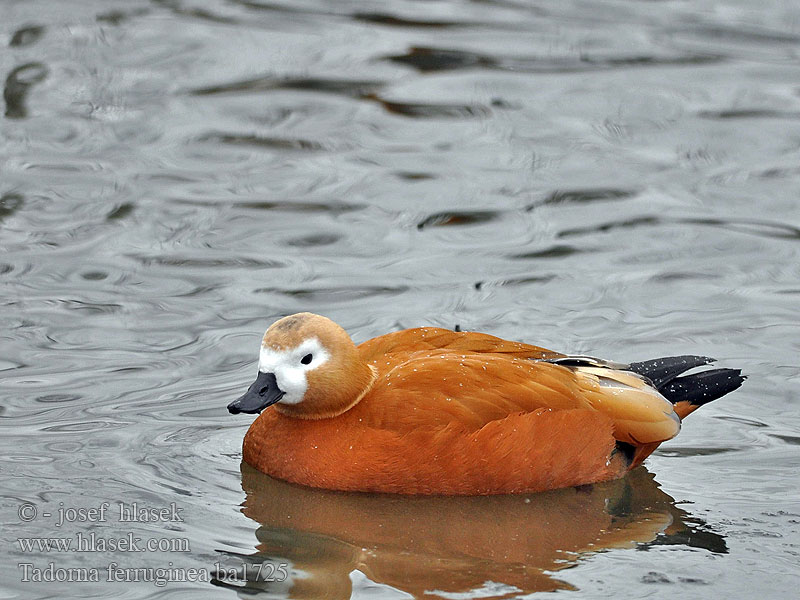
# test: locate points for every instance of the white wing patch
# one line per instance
(289, 371)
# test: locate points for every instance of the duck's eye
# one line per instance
(306, 360)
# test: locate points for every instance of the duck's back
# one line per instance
(401, 343)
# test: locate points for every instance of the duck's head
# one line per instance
(308, 368)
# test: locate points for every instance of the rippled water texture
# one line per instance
(615, 178)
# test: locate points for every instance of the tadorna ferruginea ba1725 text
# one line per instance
(434, 411)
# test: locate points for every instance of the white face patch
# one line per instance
(290, 368)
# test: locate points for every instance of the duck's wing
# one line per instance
(437, 338)
(430, 389)
(641, 415)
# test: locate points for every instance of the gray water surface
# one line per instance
(614, 178)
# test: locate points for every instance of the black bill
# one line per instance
(263, 393)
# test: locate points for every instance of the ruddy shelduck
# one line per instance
(434, 411)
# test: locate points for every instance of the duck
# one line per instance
(434, 411)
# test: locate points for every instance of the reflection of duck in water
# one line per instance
(450, 543)
(433, 411)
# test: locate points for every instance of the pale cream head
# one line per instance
(315, 364)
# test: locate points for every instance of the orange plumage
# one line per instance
(433, 411)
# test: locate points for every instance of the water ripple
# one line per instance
(9, 204)
(429, 59)
(260, 141)
(459, 218)
(27, 36)
(17, 87)
(749, 226)
(433, 111)
(346, 87)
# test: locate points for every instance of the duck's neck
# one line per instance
(332, 395)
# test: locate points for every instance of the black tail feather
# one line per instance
(701, 388)
(663, 370)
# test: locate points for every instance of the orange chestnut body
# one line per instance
(433, 411)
